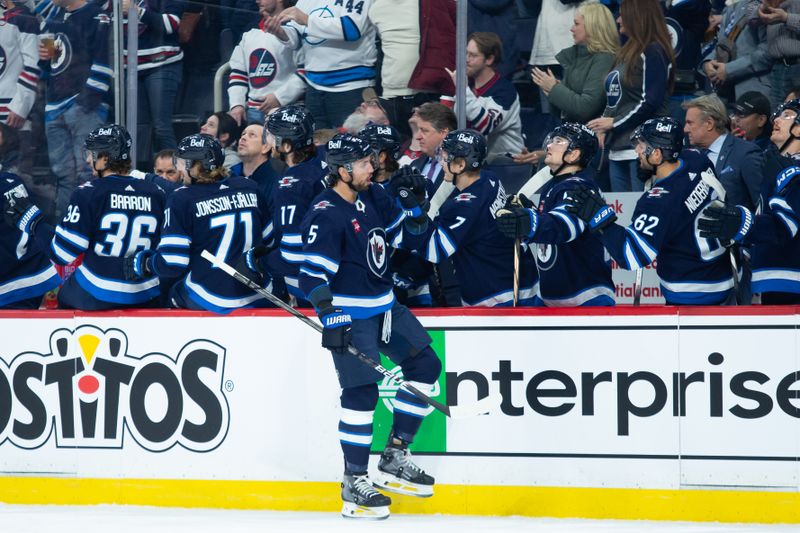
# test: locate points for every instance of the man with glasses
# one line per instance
(773, 232)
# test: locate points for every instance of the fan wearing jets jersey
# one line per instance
(692, 270)
(571, 260)
(346, 234)
(465, 228)
(226, 216)
(109, 219)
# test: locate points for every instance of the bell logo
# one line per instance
(195, 142)
(290, 117)
(89, 392)
(466, 137)
(334, 145)
(104, 131)
(663, 128)
(383, 130)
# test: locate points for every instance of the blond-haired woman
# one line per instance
(580, 95)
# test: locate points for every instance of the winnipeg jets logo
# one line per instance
(376, 251)
(464, 197)
(287, 182)
(613, 89)
(63, 56)
(263, 68)
(324, 204)
(546, 255)
(657, 192)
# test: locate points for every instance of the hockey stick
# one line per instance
(517, 242)
(481, 407)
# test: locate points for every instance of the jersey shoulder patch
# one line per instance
(464, 197)
(287, 182)
(322, 205)
(657, 192)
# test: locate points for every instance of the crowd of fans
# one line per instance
(717, 70)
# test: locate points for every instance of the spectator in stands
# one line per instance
(254, 150)
(492, 102)
(370, 111)
(164, 166)
(738, 163)
(740, 62)
(224, 128)
(783, 41)
(263, 71)
(498, 17)
(551, 36)
(78, 78)
(751, 114)
(637, 88)
(160, 70)
(434, 122)
(340, 54)
(239, 16)
(579, 96)
(793, 94)
(418, 42)
(20, 72)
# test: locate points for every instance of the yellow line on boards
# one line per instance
(560, 502)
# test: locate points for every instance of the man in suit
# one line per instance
(434, 122)
(738, 163)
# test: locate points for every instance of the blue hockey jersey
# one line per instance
(158, 32)
(292, 196)
(483, 257)
(692, 270)
(572, 266)
(108, 219)
(345, 247)
(82, 62)
(25, 269)
(776, 246)
(227, 218)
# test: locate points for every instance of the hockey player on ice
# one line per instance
(345, 237)
(571, 259)
(692, 270)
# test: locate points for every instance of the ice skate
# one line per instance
(397, 473)
(361, 500)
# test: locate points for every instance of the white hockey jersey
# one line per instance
(260, 65)
(493, 110)
(19, 57)
(339, 43)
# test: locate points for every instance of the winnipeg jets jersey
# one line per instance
(227, 218)
(776, 246)
(158, 33)
(19, 61)
(345, 247)
(25, 269)
(109, 219)
(692, 270)
(82, 62)
(262, 65)
(292, 196)
(465, 230)
(339, 43)
(571, 261)
(493, 110)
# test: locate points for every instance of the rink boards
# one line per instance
(651, 413)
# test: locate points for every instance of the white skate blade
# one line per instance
(391, 483)
(351, 510)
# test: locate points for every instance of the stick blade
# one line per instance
(484, 406)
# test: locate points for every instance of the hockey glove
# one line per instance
(519, 200)
(138, 266)
(19, 212)
(589, 206)
(725, 222)
(409, 204)
(337, 327)
(517, 222)
(407, 178)
(250, 266)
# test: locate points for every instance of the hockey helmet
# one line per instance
(292, 124)
(110, 140)
(382, 139)
(201, 147)
(791, 105)
(344, 150)
(579, 137)
(467, 144)
(664, 133)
